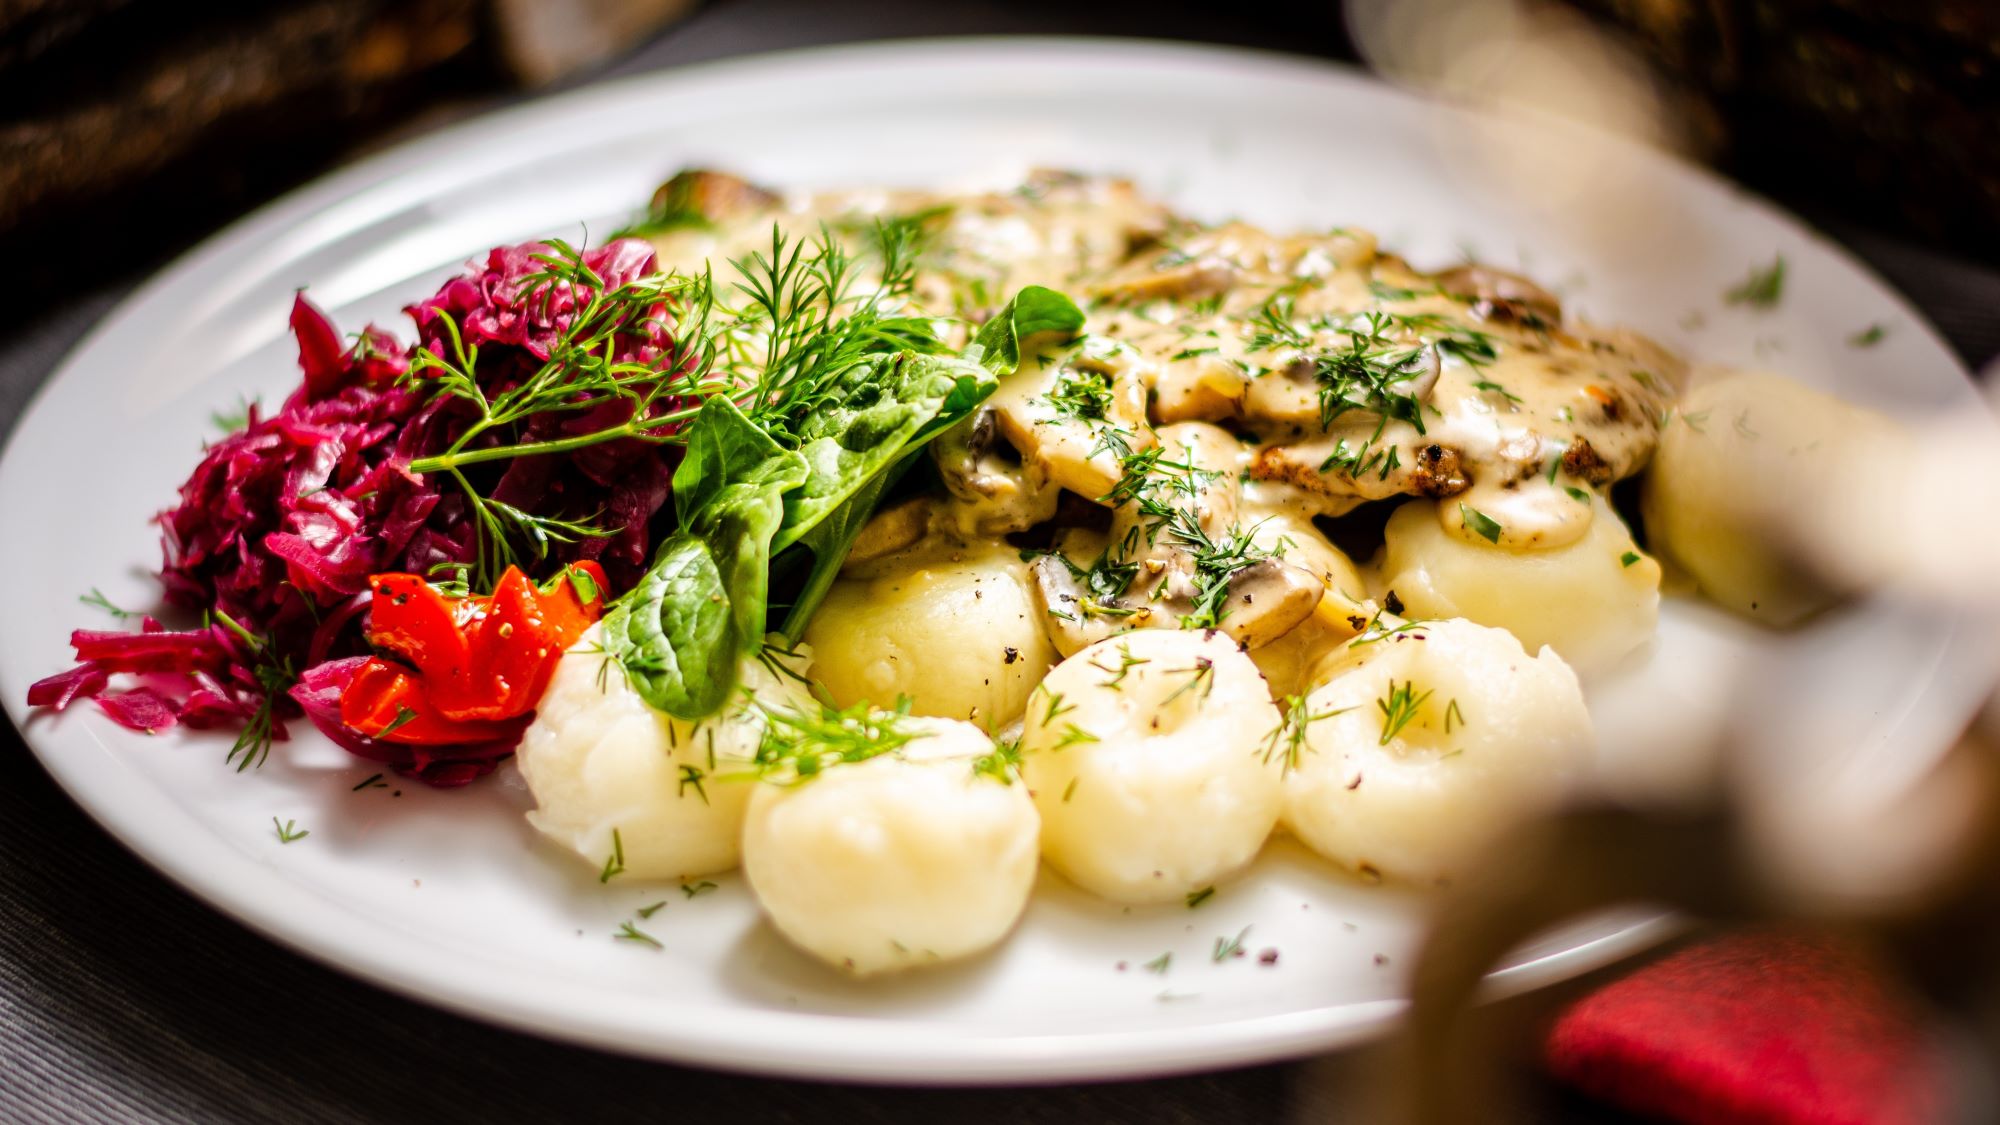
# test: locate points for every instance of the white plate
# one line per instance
(448, 897)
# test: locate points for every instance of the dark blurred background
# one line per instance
(129, 129)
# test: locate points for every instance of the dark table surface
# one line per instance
(123, 998)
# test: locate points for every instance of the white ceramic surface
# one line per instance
(448, 897)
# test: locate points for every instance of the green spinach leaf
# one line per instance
(882, 407)
(685, 626)
(1033, 310)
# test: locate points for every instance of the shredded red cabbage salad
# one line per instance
(281, 523)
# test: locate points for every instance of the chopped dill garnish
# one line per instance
(1201, 676)
(275, 676)
(800, 744)
(1126, 662)
(372, 781)
(1453, 714)
(1229, 947)
(614, 864)
(1002, 763)
(1762, 289)
(629, 932)
(1160, 964)
(695, 890)
(1868, 337)
(691, 777)
(1482, 525)
(1375, 631)
(96, 598)
(1196, 898)
(649, 911)
(1400, 706)
(235, 418)
(289, 831)
(1288, 738)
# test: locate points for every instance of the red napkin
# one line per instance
(1768, 1027)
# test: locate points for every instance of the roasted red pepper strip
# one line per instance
(387, 701)
(478, 661)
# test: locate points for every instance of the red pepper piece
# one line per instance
(388, 701)
(478, 661)
(411, 619)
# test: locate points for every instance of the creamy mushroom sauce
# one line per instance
(1267, 377)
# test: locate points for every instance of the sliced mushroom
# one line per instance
(890, 530)
(1500, 295)
(1037, 411)
(711, 196)
(1075, 617)
(1205, 388)
(995, 491)
(1268, 599)
(1182, 281)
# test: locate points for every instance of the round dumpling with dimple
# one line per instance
(912, 857)
(1146, 756)
(1424, 742)
(1592, 600)
(954, 631)
(598, 759)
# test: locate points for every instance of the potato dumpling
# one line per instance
(1145, 754)
(1748, 479)
(1592, 600)
(1423, 743)
(909, 858)
(597, 758)
(953, 629)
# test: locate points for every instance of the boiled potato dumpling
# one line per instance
(908, 858)
(1423, 742)
(1145, 753)
(954, 629)
(1593, 600)
(597, 758)
(1748, 480)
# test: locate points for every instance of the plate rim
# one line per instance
(943, 1060)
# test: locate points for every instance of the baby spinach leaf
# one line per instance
(722, 446)
(1033, 310)
(683, 629)
(883, 407)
